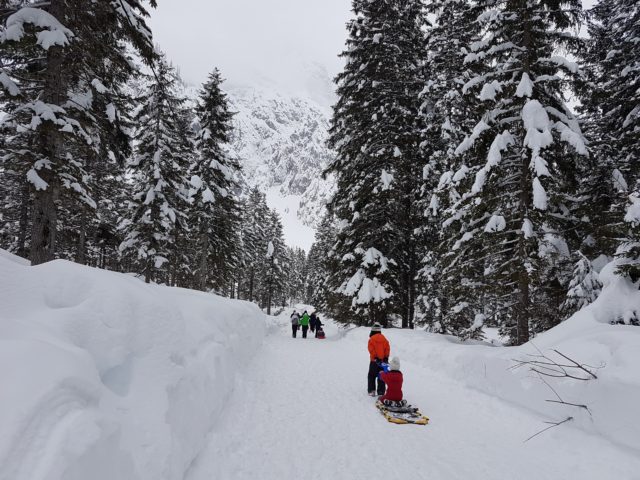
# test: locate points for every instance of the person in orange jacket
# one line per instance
(379, 350)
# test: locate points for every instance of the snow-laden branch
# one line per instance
(53, 33)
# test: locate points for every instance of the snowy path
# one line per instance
(301, 412)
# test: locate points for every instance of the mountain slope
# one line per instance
(280, 137)
(281, 141)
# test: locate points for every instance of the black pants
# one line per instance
(295, 330)
(305, 328)
(374, 369)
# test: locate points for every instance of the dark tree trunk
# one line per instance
(44, 227)
(251, 282)
(524, 310)
(204, 264)
(24, 220)
(524, 301)
(43, 236)
(81, 254)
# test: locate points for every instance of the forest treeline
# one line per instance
(105, 162)
(487, 161)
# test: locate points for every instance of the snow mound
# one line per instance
(105, 377)
(4, 255)
(611, 351)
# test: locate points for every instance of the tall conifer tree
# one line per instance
(214, 214)
(62, 62)
(528, 143)
(158, 170)
(376, 131)
(612, 105)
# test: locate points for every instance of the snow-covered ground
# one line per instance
(302, 412)
(106, 378)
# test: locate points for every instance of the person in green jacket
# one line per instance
(304, 323)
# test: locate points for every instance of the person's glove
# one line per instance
(385, 367)
(378, 361)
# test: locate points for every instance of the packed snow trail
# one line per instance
(301, 412)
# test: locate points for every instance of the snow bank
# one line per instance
(4, 255)
(105, 377)
(588, 337)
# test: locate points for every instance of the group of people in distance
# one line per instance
(306, 322)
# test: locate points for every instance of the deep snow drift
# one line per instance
(104, 377)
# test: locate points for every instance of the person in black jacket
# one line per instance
(313, 322)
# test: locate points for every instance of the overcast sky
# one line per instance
(248, 37)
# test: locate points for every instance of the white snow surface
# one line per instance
(525, 87)
(633, 213)
(6, 256)
(539, 195)
(497, 223)
(110, 378)
(302, 410)
(105, 377)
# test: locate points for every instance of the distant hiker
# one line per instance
(295, 323)
(319, 327)
(379, 350)
(392, 377)
(304, 322)
(313, 322)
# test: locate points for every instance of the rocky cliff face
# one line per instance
(281, 141)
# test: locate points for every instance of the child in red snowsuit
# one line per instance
(393, 380)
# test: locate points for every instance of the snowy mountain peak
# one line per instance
(281, 141)
(280, 137)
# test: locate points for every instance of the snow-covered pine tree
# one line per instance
(158, 171)
(612, 103)
(320, 293)
(273, 275)
(376, 131)
(446, 112)
(254, 234)
(630, 249)
(58, 58)
(214, 213)
(584, 288)
(15, 191)
(296, 275)
(528, 142)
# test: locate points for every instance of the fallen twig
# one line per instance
(552, 425)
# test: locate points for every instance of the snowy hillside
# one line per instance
(280, 137)
(282, 143)
(105, 377)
